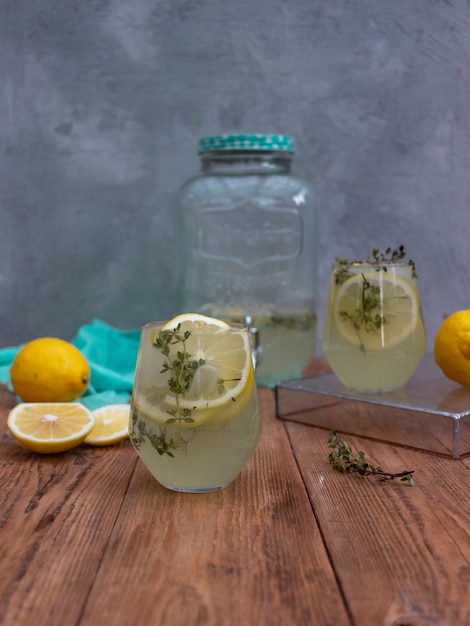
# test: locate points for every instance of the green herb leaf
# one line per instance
(364, 318)
(343, 459)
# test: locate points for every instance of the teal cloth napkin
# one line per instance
(112, 356)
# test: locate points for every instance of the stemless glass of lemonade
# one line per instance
(194, 412)
(374, 335)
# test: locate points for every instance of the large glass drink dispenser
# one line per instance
(248, 248)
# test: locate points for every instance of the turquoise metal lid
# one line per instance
(282, 143)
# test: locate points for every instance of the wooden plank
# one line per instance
(249, 554)
(401, 553)
(7, 402)
(56, 517)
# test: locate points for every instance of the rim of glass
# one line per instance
(232, 327)
(373, 264)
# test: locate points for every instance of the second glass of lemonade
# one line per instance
(374, 336)
(194, 411)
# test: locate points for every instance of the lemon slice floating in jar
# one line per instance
(399, 308)
(50, 427)
(222, 380)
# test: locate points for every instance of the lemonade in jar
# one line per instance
(374, 336)
(286, 335)
(194, 412)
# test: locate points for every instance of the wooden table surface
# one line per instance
(88, 537)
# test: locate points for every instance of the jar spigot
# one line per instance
(254, 335)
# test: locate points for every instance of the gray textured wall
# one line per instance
(102, 103)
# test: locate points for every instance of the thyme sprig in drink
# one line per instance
(194, 414)
(374, 335)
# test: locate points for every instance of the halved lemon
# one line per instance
(50, 427)
(111, 425)
(399, 308)
(222, 381)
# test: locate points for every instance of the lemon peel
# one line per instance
(49, 369)
(452, 347)
(111, 425)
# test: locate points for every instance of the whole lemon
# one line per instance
(452, 347)
(49, 369)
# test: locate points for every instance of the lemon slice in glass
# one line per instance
(50, 427)
(195, 322)
(201, 412)
(155, 407)
(399, 308)
(226, 356)
(221, 381)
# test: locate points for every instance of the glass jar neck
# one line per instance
(242, 162)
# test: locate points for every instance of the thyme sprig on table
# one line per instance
(343, 459)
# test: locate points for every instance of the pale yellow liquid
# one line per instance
(210, 456)
(287, 339)
(373, 370)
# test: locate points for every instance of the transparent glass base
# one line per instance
(429, 413)
(197, 490)
(372, 390)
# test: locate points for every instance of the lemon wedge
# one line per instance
(111, 425)
(50, 427)
(399, 307)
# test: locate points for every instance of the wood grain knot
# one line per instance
(44, 522)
